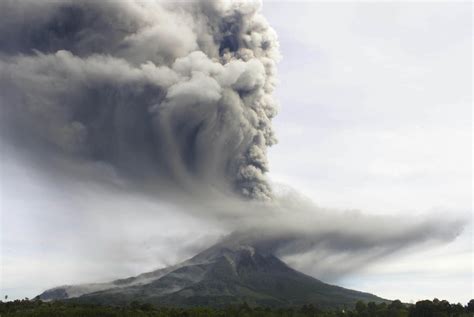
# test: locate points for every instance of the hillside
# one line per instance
(218, 276)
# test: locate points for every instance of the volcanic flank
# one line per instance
(221, 275)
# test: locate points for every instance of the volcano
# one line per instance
(219, 276)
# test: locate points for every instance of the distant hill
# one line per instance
(218, 276)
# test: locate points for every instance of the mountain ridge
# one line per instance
(220, 275)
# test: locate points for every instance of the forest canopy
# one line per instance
(424, 308)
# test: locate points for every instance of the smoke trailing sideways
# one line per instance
(177, 94)
(181, 91)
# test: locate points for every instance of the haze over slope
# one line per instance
(226, 273)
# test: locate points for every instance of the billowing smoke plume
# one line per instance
(177, 94)
(177, 91)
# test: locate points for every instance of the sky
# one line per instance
(376, 98)
(375, 118)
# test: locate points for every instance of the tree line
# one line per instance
(424, 308)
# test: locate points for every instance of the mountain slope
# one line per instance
(218, 276)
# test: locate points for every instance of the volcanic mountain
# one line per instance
(218, 276)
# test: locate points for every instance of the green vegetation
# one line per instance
(425, 308)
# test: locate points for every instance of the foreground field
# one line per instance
(426, 308)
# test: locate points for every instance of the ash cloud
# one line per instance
(178, 92)
(329, 243)
(172, 97)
